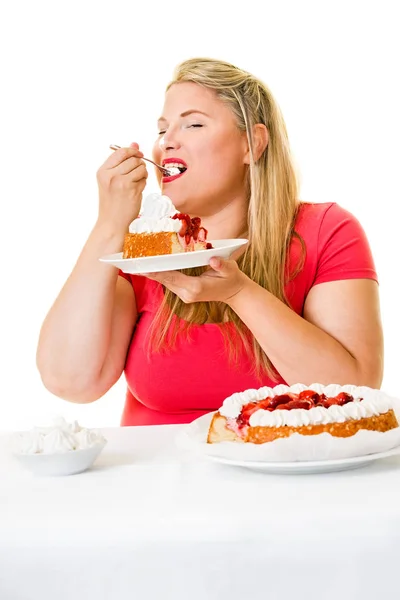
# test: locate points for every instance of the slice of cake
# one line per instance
(161, 229)
(264, 415)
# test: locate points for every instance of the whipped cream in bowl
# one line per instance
(60, 449)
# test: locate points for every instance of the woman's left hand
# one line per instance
(220, 283)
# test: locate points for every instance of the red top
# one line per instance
(195, 377)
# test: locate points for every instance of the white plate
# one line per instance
(301, 468)
(172, 262)
(58, 464)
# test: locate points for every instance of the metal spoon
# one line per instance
(163, 170)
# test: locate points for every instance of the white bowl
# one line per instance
(63, 463)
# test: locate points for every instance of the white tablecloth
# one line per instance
(149, 521)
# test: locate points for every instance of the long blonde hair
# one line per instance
(272, 211)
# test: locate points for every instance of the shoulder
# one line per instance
(322, 215)
(336, 241)
(327, 223)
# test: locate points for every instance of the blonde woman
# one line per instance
(300, 304)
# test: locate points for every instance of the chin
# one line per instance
(182, 205)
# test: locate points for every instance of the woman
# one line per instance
(300, 304)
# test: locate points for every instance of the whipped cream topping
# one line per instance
(367, 403)
(155, 216)
(59, 438)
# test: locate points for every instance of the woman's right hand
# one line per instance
(121, 180)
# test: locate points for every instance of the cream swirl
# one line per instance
(155, 216)
(146, 225)
(232, 406)
(368, 402)
(57, 441)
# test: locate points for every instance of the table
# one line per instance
(151, 521)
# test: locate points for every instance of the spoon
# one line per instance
(163, 170)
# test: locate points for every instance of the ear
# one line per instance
(260, 142)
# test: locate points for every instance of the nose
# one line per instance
(169, 141)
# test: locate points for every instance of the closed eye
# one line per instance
(187, 127)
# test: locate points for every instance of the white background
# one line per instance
(77, 76)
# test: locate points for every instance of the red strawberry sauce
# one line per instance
(191, 229)
(306, 399)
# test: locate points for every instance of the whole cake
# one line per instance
(266, 414)
(161, 229)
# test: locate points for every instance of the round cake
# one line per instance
(267, 414)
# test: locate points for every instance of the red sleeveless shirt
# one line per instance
(195, 376)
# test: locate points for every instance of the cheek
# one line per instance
(229, 147)
(227, 157)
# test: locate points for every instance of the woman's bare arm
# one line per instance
(85, 336)
(339, 340)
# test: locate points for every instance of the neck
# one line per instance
(228, 222)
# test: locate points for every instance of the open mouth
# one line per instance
(175, 167)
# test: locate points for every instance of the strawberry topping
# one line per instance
(191, 229)
(306, 400)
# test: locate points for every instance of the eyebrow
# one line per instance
(187, 113)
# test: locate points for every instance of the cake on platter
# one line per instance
(161, 229)
(267, 414)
